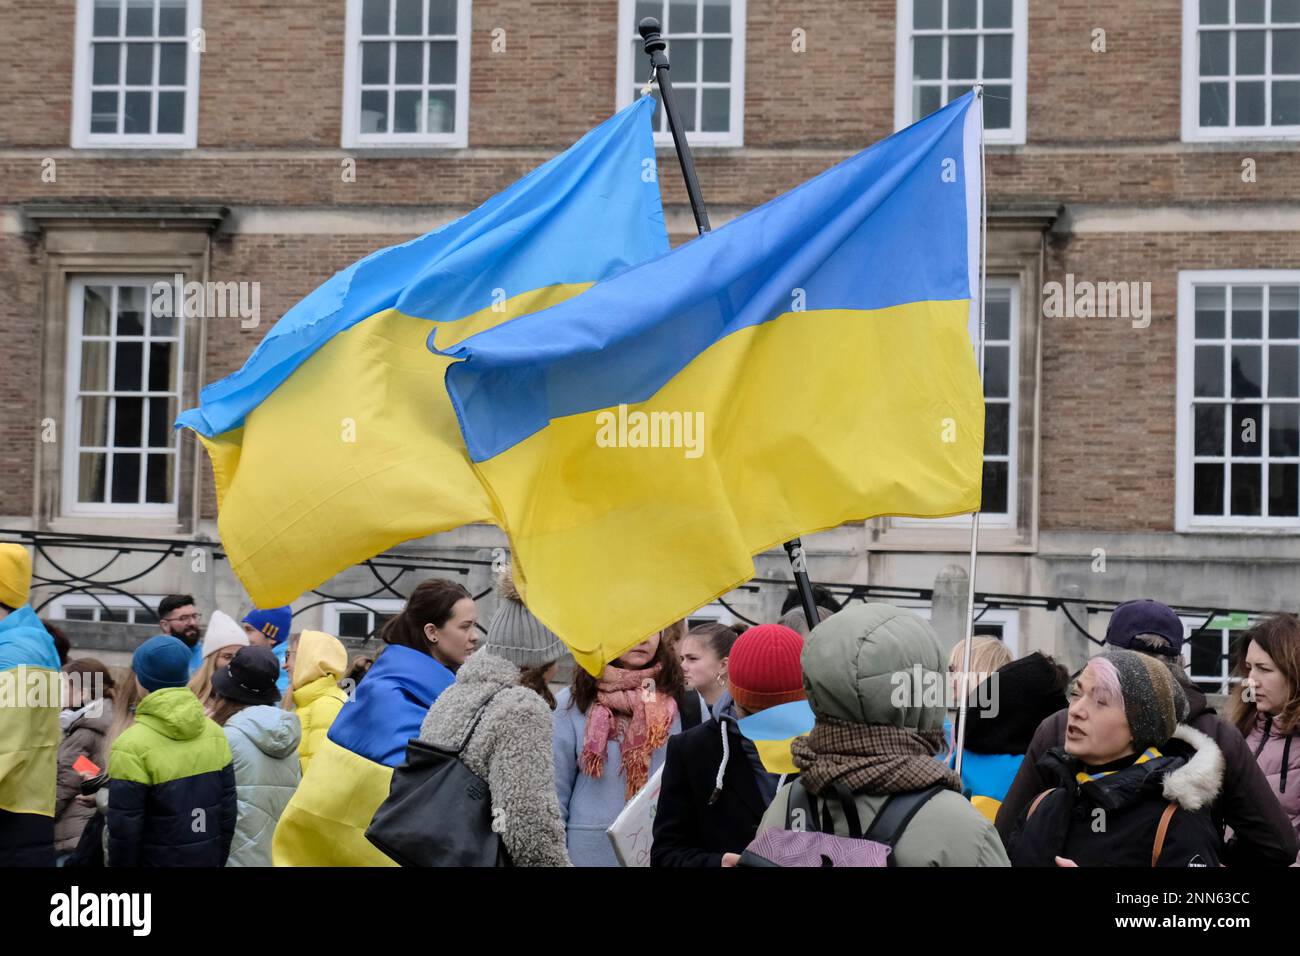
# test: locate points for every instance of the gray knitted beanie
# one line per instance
(515, 634)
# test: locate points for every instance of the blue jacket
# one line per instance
(280, 650)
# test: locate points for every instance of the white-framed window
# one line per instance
(106, 607)
(1238, 429)
(709, 614)
(136, 73)
(706, 57)
(1002, 623)
(1001, 408)
(944, 47)
(1207, 654)
(1241, 69)
(361, 618)
(406, 73)
(123, 392)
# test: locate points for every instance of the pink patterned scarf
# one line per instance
(629, 709)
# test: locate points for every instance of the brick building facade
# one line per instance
(1140, 143)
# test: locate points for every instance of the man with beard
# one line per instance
(179, 618)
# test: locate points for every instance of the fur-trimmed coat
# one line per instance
(1112, 820)
(510, 749)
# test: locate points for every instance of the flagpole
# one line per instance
(960, 744)
(653, 43)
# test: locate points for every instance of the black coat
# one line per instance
(1262, 833)
(1113, 820)
(155, 824)
(26, 839)
(688, 830)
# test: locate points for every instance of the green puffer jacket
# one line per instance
(171, 798)
(853, 666)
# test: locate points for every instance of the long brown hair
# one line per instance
(1279, 638)
(671, 679)
(223, 708)
(125, 698)
(534, 678)
(430, 603)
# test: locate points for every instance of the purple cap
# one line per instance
(1134, 618)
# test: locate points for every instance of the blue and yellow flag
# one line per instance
(774, 729)
(336, 441)
(806, 365)
(30, 700)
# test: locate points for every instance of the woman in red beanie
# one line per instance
(714, 787)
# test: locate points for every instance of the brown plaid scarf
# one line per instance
(874, 758)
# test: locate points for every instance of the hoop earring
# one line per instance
(720, 681)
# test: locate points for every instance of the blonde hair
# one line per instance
(201, 682)
(987, 655)
(126, 695)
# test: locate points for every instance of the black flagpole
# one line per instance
(653, 43)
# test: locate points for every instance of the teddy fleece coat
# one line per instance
(510, 749)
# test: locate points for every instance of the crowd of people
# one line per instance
(244, 744)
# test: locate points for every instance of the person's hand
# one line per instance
(730, 859)
(85, 799)
(1062, 861)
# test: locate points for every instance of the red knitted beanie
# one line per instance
(763, 667)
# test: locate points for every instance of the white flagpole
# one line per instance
(960, 745)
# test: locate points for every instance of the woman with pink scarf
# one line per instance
(610, 737)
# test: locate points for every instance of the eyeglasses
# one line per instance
(184, 618)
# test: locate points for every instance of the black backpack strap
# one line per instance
(897, 813)
(801, 799)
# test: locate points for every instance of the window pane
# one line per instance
(997, 423)
(717, 111)
(1209, 429)
(1250, 11)
(1286, 51)
(374, 111)
(1250, 52)
(1283, 430)
(925, 100)
(106, 60)
(1214, 53)
(130, 310)
(1210, 301)
(406, 111)
(139, 18)
(139, 64)
(162, 412)
(1247, 374)
(374, 17)
(158, 482)
(686, 106)
(993, 496)
(355, 624)
(126, 366)
(997, 13)
(90, 477)
(1283, 375)
(1284, 311)
(997, 57)
(1209, 371)
(1286, 103)
(1283, 493)
(682, 17)
(94, 366)
(374, 63)
(410, 62)
(961, 57)
(682, 57)
(997, 316)
(717, 16)
(171, 112)
(1245, 493)
(94, 421)
(107, 17)
(927, 14)
(79, 614)
(1214, 11)
(103, 112)
(1214, 104)
(137, 113)
(96, 305)
(1247, 436)
(442, 17)
(441, 116)
(1207, 489)
(128, 414)
(717, 61)
(171, 64)
(1247, 312)
(162, 367)
(997, 107)
(961, 14)
(442, 62)
(996, 361)
(1250, 104)
(409, 17)
(171, 18)
(126, 478)
(1286, 11)
(927, 58)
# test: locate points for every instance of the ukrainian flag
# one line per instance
(30, 699)
(336, 441)
(808, 364)
(773, 730)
